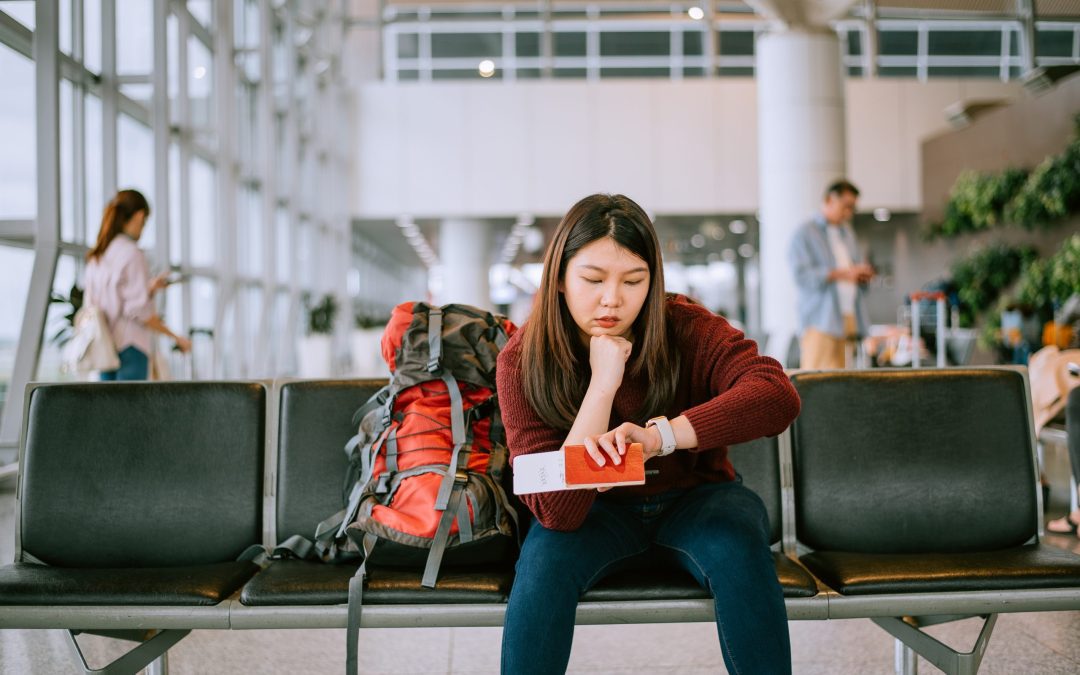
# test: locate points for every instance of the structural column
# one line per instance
(801, 149)
(46, 52)
(464, 258)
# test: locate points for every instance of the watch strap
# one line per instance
(667, 435)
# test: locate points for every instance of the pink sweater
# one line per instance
(118, 283)
(728, 392)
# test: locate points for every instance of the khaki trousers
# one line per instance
(821, 351)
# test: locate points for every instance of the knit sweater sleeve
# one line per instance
(526, 433)
(750, 395)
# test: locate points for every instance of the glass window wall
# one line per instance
(224, 209)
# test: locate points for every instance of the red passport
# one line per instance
(582, 471)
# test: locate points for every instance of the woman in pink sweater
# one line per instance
(608, 358)
(118, 283)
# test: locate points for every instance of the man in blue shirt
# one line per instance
(831, 278)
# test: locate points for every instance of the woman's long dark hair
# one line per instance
(552, 353)
(118, 212)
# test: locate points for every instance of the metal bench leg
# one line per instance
(150, 651)
(936, 652)
(159, 666)
(906, 661)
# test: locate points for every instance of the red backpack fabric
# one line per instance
(428, 464)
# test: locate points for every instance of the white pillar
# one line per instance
(802, 148)
(464, 258)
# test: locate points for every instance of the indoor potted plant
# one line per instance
(366, 346)
(317, 347)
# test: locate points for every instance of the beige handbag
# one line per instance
(1051, 383)
(91, 347)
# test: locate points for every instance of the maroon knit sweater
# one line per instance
(729, 392)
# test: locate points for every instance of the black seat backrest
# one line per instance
(314, 424)
(913, 461)
(758, 462)
(147, 474)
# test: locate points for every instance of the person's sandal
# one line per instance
(1063, 525)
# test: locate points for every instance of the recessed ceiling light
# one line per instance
(487, 68)
(882, 215)
(746, 251)
(696, 13)
(737, 227)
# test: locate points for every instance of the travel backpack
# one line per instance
(426, 473)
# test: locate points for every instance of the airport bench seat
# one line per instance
(908, 497)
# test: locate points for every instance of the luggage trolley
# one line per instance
(916, 301)
(206, 354)
(197, 353)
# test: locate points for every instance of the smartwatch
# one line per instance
(667, 435)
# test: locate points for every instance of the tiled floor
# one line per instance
(1047, 642)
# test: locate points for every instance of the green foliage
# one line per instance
(1051, 192)
(981, 277)
(368, 321)
(1039, 199)
(977, 200)
(1053, 280)
(990, 335)
(65, 326)
(321, 316)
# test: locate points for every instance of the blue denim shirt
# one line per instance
(811, 259)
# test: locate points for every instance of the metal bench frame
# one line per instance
(903, 615)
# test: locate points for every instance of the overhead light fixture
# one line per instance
(882, 215)
(696, 13)
(698, 241)
(199, 72)
(963, 113)
(533, 240)
(729, 255)
(746, 251)
(487, 68)
(738, 227)
(1042, 79)
(712, 229)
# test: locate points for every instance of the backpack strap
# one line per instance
(457, 428)
(464, 523)
(391, 452)
(356, 601)
(295, 546)
(442, 534)
(434, 336)
(350, 509)
(377, 400)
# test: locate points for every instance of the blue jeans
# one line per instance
(718, 532)
(134, 365)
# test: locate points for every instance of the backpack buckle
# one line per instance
(384, 484)
(461, 477)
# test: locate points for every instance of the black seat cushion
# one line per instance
(672, 583)
(880, 456)
(298, 582)
(142, 474)
(30, 584)
(294, 582)
(1021, 568)
(314, 424)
